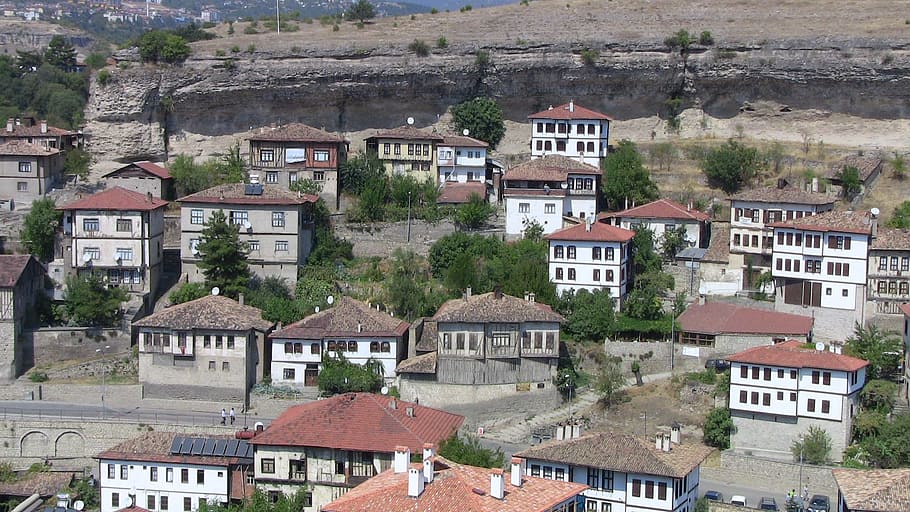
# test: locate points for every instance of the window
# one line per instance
(91, 225)
(826, 406)
(548, 472)
(124, 472)
(211, 366)
(318, 175)
(570, 252)
(321, 155)
(200, 476)
(524, 207)
(184, 476)
(281, 246)
(386, 148)
(736, 240)
(411, 149)
(905, 263)
(661, 490)
(397, 148)
(168, 477)
(766, 399)
(239, 217)
(277, 219)
(767, 373)
(150, 501)
(743, 396)
(115, 499)
(267, 466)
(571, 274)
(793, 374)
(196, 217)
(780, 373)
(636, 487)
(271, 177)
(810, 405)
(595, 253)
(557, 251)
(426, 149)
(594, 478)
(535, 469)
(558, 273)
(590, 147)
(111, 471)
(904, 288)
(298, 469)
(780, 395)
(792, 397)
(225, 366)
(596, 274)
(815, 376)
(744, 372)
(187, 503)
(649, 489)
(549, 208)
(580, 146)
(892, 287)
(253, 245)
(22, 186)
(289, 374)
(754, 398)
(163, 503)
(230, 342)
(315, 348)
(755, 370)
(267, 155)
(124, 254)
(124, 225)
(219, 341)
(883, 263)
(826, 378)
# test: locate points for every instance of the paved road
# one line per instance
(752, 493)
(63, 410)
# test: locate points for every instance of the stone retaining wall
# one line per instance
(382, 238)
(54, 344)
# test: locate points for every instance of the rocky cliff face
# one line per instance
(140, 110)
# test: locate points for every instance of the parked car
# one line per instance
(819, 503)
(714, 496)
(718, 365)
(767, 504)
(738, 500)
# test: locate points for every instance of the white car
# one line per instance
(738, 500)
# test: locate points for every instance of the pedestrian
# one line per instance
(806, 492)
(233, 416)
(223, 415)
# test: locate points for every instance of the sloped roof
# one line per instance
(621, 452)
(791, 354)
(874, 490)
(456, 488)
(296, 132)
(235, 193)
(662, 209)
(463, 141)
(424, 363)
(549, 168)
(858, 222)
(457, 193)
(149, 167)
(723, 318)
(116, 199)
(18, 147)
(406, 133)
(785, 195)
(428, 336)
(11, 268)
(599, 232)
(891, 238)
(349, 318)
(34, 130)
(866, 165)
(156, 447)
(45, 484)
(495, 307)
(215, 312)
(360, 422)
(719, 246)
(569, 110)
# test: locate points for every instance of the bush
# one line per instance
(104, 77)
(188, 292)
(482, 58)
(420, 48)
(474, 214)
(339, 375)
(37, 376)
(250, 30)
(718, 427)
(589, 56)
(235, 49)
(814, 447)
(466, 8)
(442, 42)
(705, 38)
(469, 451)
(731, 166)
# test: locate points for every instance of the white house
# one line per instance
(778, 391)
(166, 471)
(547, 189)
(570, 130)
(350, 328)
(590, 256)
(623, 472)
(821, 262)
(662, 216)
(461, 159)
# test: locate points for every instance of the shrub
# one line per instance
(434, 11)
(470, 451)
(235, 49)
(103, 77)
(589, 56)
(717, 429)
(442, 42)
(466, 8)
(250, 30)
(705, 38)
(220, 53)
(814, 447)
(335, 28)
(420, 48)
(360, 25)
(37, 376)
(251, 48)
(482, 58)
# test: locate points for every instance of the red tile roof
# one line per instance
(457, 193)
(832, 221)
(297, 132)
(17, 147)
(874, 490)
(463, 141)
(406, 133)
(600, 232)
(549, 168)
(569, 111)
(11, 268)
(116, 199)
(791, 354)
(25, 129)
(891, 239)
(145, 165)
(723, 318)
(235, 193)
(456, 488)
(360, 422)
(350, 318)
(662, 209)
(212, 312)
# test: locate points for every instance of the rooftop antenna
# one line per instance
(410, 121)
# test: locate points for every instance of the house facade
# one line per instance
(275, 224)
(281, 156)
(889, 271)
(869, 168)
(407, 151)
(205, 349)
(36, 131)
(144, 177)
(350, 328)
(461, 159)
(328, 447)
(591, 256)
(777, 392)
(28, 170)
(570, 130)
(547, 189)
(21, 282)
(663, 216)
(623, 472)
(166, 471)
(117, 234)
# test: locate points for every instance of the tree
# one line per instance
(663, 154)
(469, 451)
(881, 348)
(39, 228)
(813, 447)
(61, 54)
(645, 301)
(900, 219)
(406, 286)
(681, 40)
(462, 274)
(644, 255)
(591, 317)
(160, 45)
(673, 241)
(222, 256)
(306, 186)
(482, 117)
(361, 10)
(730, 166)
(475, 213)
(718, 427)
(626, 182)
(373, 199)
(314, 285)
(338, 375)
(188, 292)
(610, 382)
(189, 178)
(879, 396)
(899, 166)
(850, 182)
(532, 231)
(357, 172)
(890, 447)
(77, 162)
(89, 302)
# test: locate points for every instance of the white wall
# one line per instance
(215, 487)
(581, 206)
(282, 359)
(536, 211)
(584, 266)
(599, 138)
(657, 226)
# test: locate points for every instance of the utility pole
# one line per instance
(103, 374)
(277, 17)
(409, 216)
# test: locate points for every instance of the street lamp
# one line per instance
(409, 216)
(103, 374)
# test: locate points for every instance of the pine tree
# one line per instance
(223, 256)
(61, 53)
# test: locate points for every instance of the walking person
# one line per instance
(223, 415)
(233, 415)
(806, 492)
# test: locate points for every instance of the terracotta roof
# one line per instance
(905, 308)
(890, 238)
(424, 363)
(406, 133)
(18, 147)
(493, 307)
(428, 336)
(11, 268)
(297, 132)
(133, 508)
(215, 312)
(463, 141)
(549, 168)
(235, 193)
(600, 232)
(455, 193)
(34, 130)
(156, 447)
(116, 199)
(455, 488)
(832, 221)
(621, 452)
(874, 490)
(719, 246)
(45, 484)
(340, 422)
(723, 318)
(145, 165)
(866, 165)
(349, 318)
(569, 110)
(662, 209)
(791, 354)
(786, 195)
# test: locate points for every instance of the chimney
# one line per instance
(409, 411)
(675, 429)
(657, 442)
(527, 296)
(9, 125)
(587, 226)
(415, 483)
(497, 489)
(576, 430)
(873, 221)
(497, 292)
(44, 126)
(516, 472)
(428, 470)
(571, 105)
(532, 297)
(18, 122)
(467, 292)
(427, 451)
(360, 326)
(560, 432)
(665, 442)
(402, 458)
(393, 404)
(814, 184)
(240, 298)
(278, 326)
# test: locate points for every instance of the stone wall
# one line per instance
(54, 344)
(771, 436)
(685, 280)
(381, 239)
(653, 356)
(433, 394)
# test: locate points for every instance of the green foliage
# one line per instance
(327, 248)
(90, 303)
(273, 296)
(681, 40)
(702, 505)
(718, 427)
(879, 395)
(882, 349)
(314, 285)
(192, 32)
(306, 186)
(77, 162)
(190, 177)
(814, 447)
(447, 249)
(96, 60)
(663, 154)
(37, 376)
(868, 424)
(673, 241)
(900, 219)
(705, 38)
(532, 231)
(361, 10)
(644, 256)
(162, 46)
(475, 213)
(890, 447)
(408, 288)
(707, 376)
(85, 492)
(610, 382)
(482, 59)
(7, 473)
(851, 184)
(104, 76)
(222, 256)
(188, 292)
(33, 86)
(589, 315)
(339, 375)
(468, 450)
(483, 119)
(465, 8)
(39, 228)
(625, 180)
(38, 467)
(442, 42)
(420, 48)
(360, 171)
(899, 166)
(60, 53)
(373, 200)
(589, 56)
(731, 166)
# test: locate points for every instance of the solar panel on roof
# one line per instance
(198, 445)
(231, 450)
(245, 450)
(220, 445)
(209, 448)
(176, 444)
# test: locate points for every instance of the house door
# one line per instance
(311, 375)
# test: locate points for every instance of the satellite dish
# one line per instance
(316, 309)
(875, 212)
(79, 505)
(86, 257)
(330, 300)
(247, 225)
(563, 186)
(410, 121)
(819, 346)
(384, 390)
(465, 132)
(216, 290)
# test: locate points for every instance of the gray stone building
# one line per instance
(21, 282)
(144, 177)
(28, 171)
